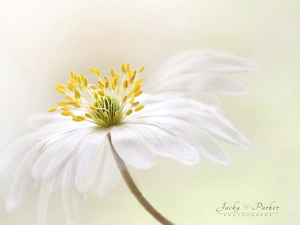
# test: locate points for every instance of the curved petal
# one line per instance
(205, 117)
(72, 199)
(197, 71)
(163, 142)
(88, 158)
(132, 148)
(108, 175)
(189, 133)
(56, 150)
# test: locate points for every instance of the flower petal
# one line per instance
(88, 159)
(189, 133)
(197, 71)
(132, 148)
(43, 204)
(108, 175)
(163, 142)
(205, 117)
(72, 199)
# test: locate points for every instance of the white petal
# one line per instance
(72, 199)
(201, 82)
(203, 116)
(56, 150)
(163, 142)
(22, 182)
(88, 158)
(43, 204)
(108, 175)
(189, 133)
(132, 148)
(197, 71)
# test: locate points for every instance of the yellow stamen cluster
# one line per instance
(105, 104)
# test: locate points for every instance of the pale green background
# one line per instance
(40, 41)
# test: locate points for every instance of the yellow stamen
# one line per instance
(95, 71)
(128, 112)
(134, 103)
(124, 99)
(93, 107)
(140, 107)
(89, 115)
(105, 104)
(141, 69)
(76, 94)
(62, 103)
(66, 113)
(52, 110)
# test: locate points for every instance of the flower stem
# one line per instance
(134, 189)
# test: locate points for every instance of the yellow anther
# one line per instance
(101, 92)
(115, 81)
(101, 84)
(125, 84)
(62, 103)
(99, 102)
(129, 73)
(78, 79)
(112, 72)
(106, 79)
(123, 68)
(134, 73)
(52, 110)
(93, 87)
(117, 113)
(60, 86)
(77, 106)
(66, 113)
(124, 99)
(113, 86)
(64, 109)
(72, 85)
(89, 115)
(96, 96)
(128, 67)
(85, 82)
(59, 91)
(95, 71)
(140, 107)
(107, 84)
(76, 119)
(93, 107)
(128, 112)
(72, 74)
(136, 88)
(76, 94)
(82, 76)
(105, 114)
(138, 93)
(69, 87)
(131, 79)
(101, 122)
(134, 103)
(141, 69)
(69, 98)
(81, 117)
(139, 81)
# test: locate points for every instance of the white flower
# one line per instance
(76, 156)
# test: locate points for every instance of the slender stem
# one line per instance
(134, 189)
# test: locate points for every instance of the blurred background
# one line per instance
(40, 41)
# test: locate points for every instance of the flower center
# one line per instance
(105, 104)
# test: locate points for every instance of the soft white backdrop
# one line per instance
(40, 41)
